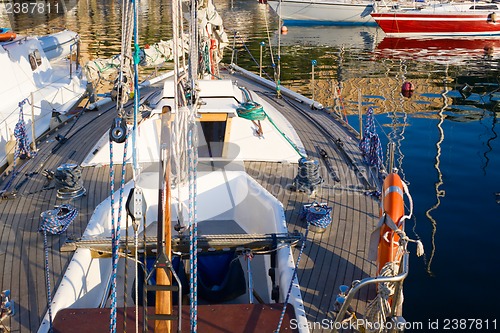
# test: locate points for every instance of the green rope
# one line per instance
(251, 111)
(294, 146)
(206, 58)
(254, 111)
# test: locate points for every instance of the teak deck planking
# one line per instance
(337, 256)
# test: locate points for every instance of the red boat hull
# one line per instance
(419, 23)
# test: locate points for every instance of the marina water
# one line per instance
(446, 135)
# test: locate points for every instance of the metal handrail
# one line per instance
(357, 285)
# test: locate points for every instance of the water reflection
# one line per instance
(359, 37)
(441, 50)
(437, 185)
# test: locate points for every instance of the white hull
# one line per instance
(47, 89)
(335, 12)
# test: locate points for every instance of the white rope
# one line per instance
(122, 86)
(269, 38)
(379, 308)
(420, 246)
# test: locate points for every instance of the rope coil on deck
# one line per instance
(23, 149)
(56, 222)
(370, 144)
(317, 214)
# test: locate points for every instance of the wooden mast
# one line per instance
(163, 276)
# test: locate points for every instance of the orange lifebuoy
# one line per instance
(393, 206)
(6, 35)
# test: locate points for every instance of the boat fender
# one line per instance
(492, 17)
(118, 130)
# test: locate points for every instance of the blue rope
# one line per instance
(56, 221)
(370, 144)
(136, 83)
(193, 231)
(21, 134)
(115, 231)
(316, 214)
(282, 316)
(22, 144)
(56, 224)
(47, 278)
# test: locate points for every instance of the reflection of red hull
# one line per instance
(473, 46)
(429, 23)
(441, 50)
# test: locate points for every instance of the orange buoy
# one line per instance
(284, 30)
(393, 206)
(6, 35)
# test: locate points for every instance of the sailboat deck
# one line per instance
(334, 257)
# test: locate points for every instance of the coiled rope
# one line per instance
(379, 308)
(23, 148)
(56, 222)
(317, 215)
(370, 144)
(250, 109)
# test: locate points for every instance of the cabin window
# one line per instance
(35, 59)
(484, 7)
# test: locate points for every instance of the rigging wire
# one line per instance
(128, 18)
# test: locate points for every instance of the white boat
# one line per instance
(232, 213)
(195, 210)
(37, 74)
(324, 12)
